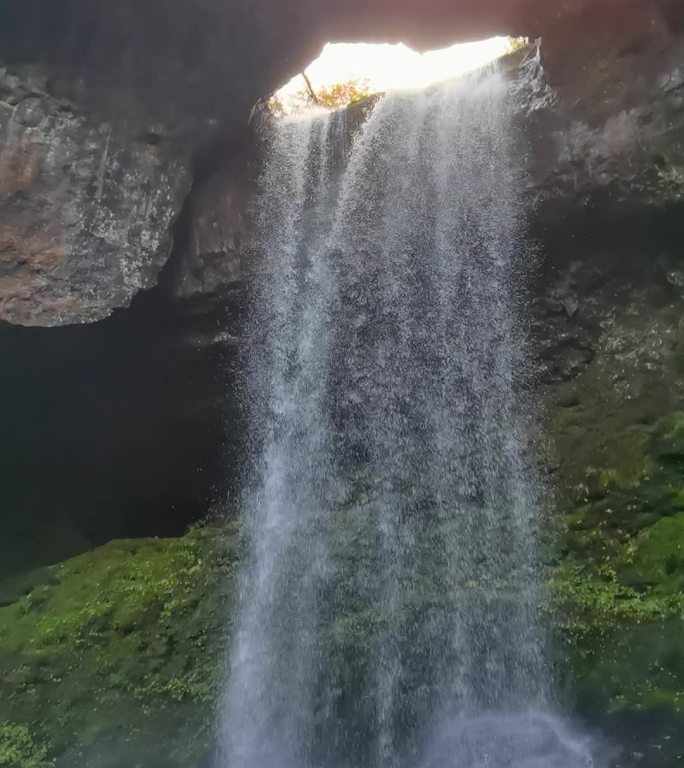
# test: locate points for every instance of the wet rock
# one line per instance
(606, 133)
(210, 250)
(566, 396)
(85, 208)
(617, 577)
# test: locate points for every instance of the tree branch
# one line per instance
(309, 88)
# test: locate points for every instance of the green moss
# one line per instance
(18, 748)
(121, 646)
(601, 434)
(668, 440)
(618, 569)
(657, 558)
(621, 647)
(604, 520)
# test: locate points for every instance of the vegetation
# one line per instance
(516, 44)
(19, 750)
(342, 94)
(333, 97)
(618, 573)
(119, 646)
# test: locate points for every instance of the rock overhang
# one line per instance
(131, 95)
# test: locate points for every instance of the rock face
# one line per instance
(606, 135)
(604, 139)
(609, 335)
(85, 208)
(106, 107)
(210, 239)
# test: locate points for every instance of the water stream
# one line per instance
(389, 610)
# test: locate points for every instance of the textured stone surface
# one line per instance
(200, 59)
(95, 151)
(608, 136)
(85, 208)
(210, 249)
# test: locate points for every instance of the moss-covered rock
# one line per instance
(618, 573)
(113, 657)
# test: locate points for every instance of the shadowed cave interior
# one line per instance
(115, 429)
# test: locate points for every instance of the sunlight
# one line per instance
(385, 67)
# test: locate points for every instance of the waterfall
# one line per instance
(389, 605)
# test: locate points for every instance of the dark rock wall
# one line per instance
(114, 178)
(124, 130)
(210, 256)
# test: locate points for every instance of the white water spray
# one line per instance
(389, 609)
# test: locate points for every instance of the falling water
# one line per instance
(389, 606)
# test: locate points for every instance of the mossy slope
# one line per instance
(618, 576)
(112, 658)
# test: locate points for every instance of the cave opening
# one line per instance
(346, 72)
(116, 429)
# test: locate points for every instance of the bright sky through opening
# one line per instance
(388, 67)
